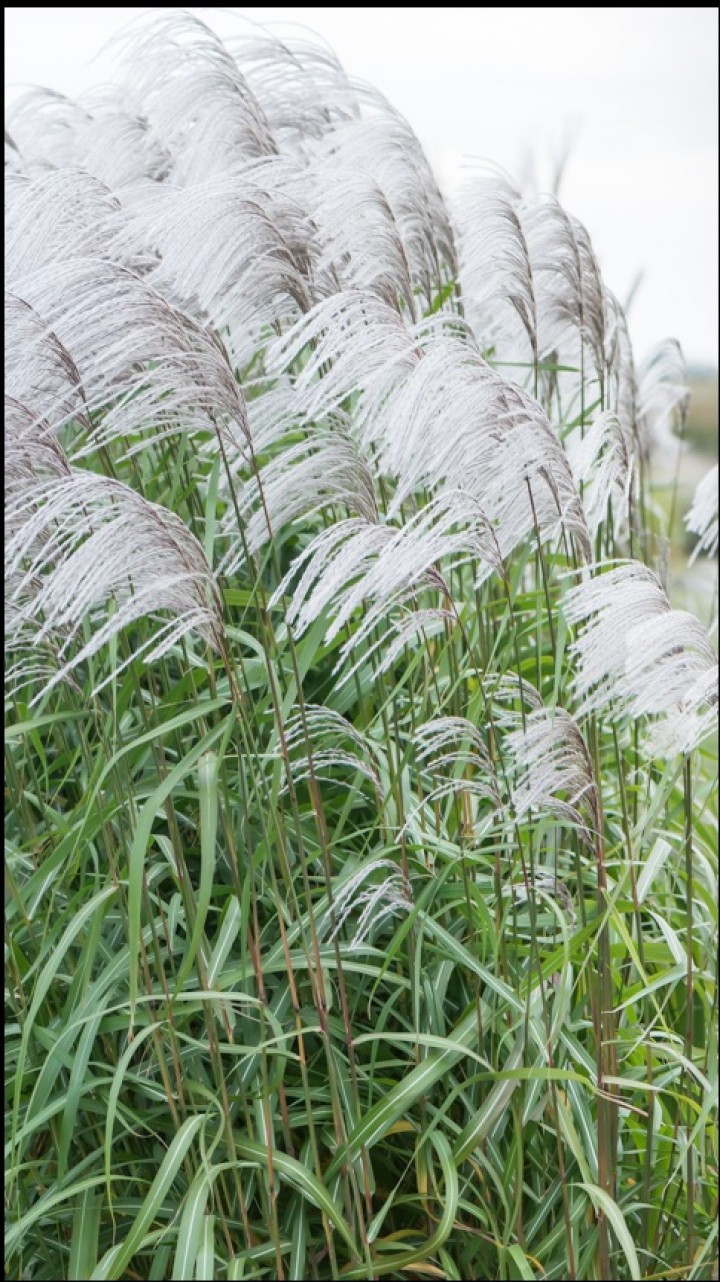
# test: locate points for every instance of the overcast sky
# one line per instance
(633, 90)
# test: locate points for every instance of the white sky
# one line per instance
(635, 89)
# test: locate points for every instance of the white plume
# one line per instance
(603, 460)
(323, 469)
(495, 268)
(237, 250)
(637, 656)
(199, 106)
(384, 147)
(80, 542)
(554, 772)
(435, 415)
(702, 519)
(148, 365)
(382, 567)
(376, 901)
(663, 393)
(334, 744)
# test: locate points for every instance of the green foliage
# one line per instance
(195, 1071)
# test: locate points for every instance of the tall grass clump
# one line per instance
(361, 843)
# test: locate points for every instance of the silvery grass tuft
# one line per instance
(702, 519)
(361, 847)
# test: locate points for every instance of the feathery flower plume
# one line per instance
(542, 879)
(693, 719)
(323, 469)
(663, 394)
(303, 88)
(495, 268)
(454, 743)
(236, 250)
(568, 285)
(454, 423)
(452, 752)
(67, 214)
(40, 374)
(603, 460)
(360, 243)
(637, 656)
(32, 452)
(116, 145)
(376, 900)
(702, 519)
(406, 627)
(554, 771)
(356, 342)
(147, 365)
(80, 542)
(530, 276)
(512, 696)
(435, 415)
(44, 126)
(385, 147)
(199, 107)
(381, 567)
(334, 744)
(621, 390)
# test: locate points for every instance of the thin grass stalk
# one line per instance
(690, 999)
(604, 1030)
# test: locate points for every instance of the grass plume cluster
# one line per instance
(361, 838)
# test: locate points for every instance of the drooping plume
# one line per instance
(456, 768)
(384, 147)
(319, 741)
(554, 771)
(530, 273)
(323, 470)
(702, 519)
(495, 267)
(603, 462)
(636, 656)
(663, 394)
(84, 549)
(381, 567)
(149, 366)
(236, 250)
(375, 901)
(200, 108)
(436, 416)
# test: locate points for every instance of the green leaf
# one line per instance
(114, 1263)
(304, 1181)
(605, 1203)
